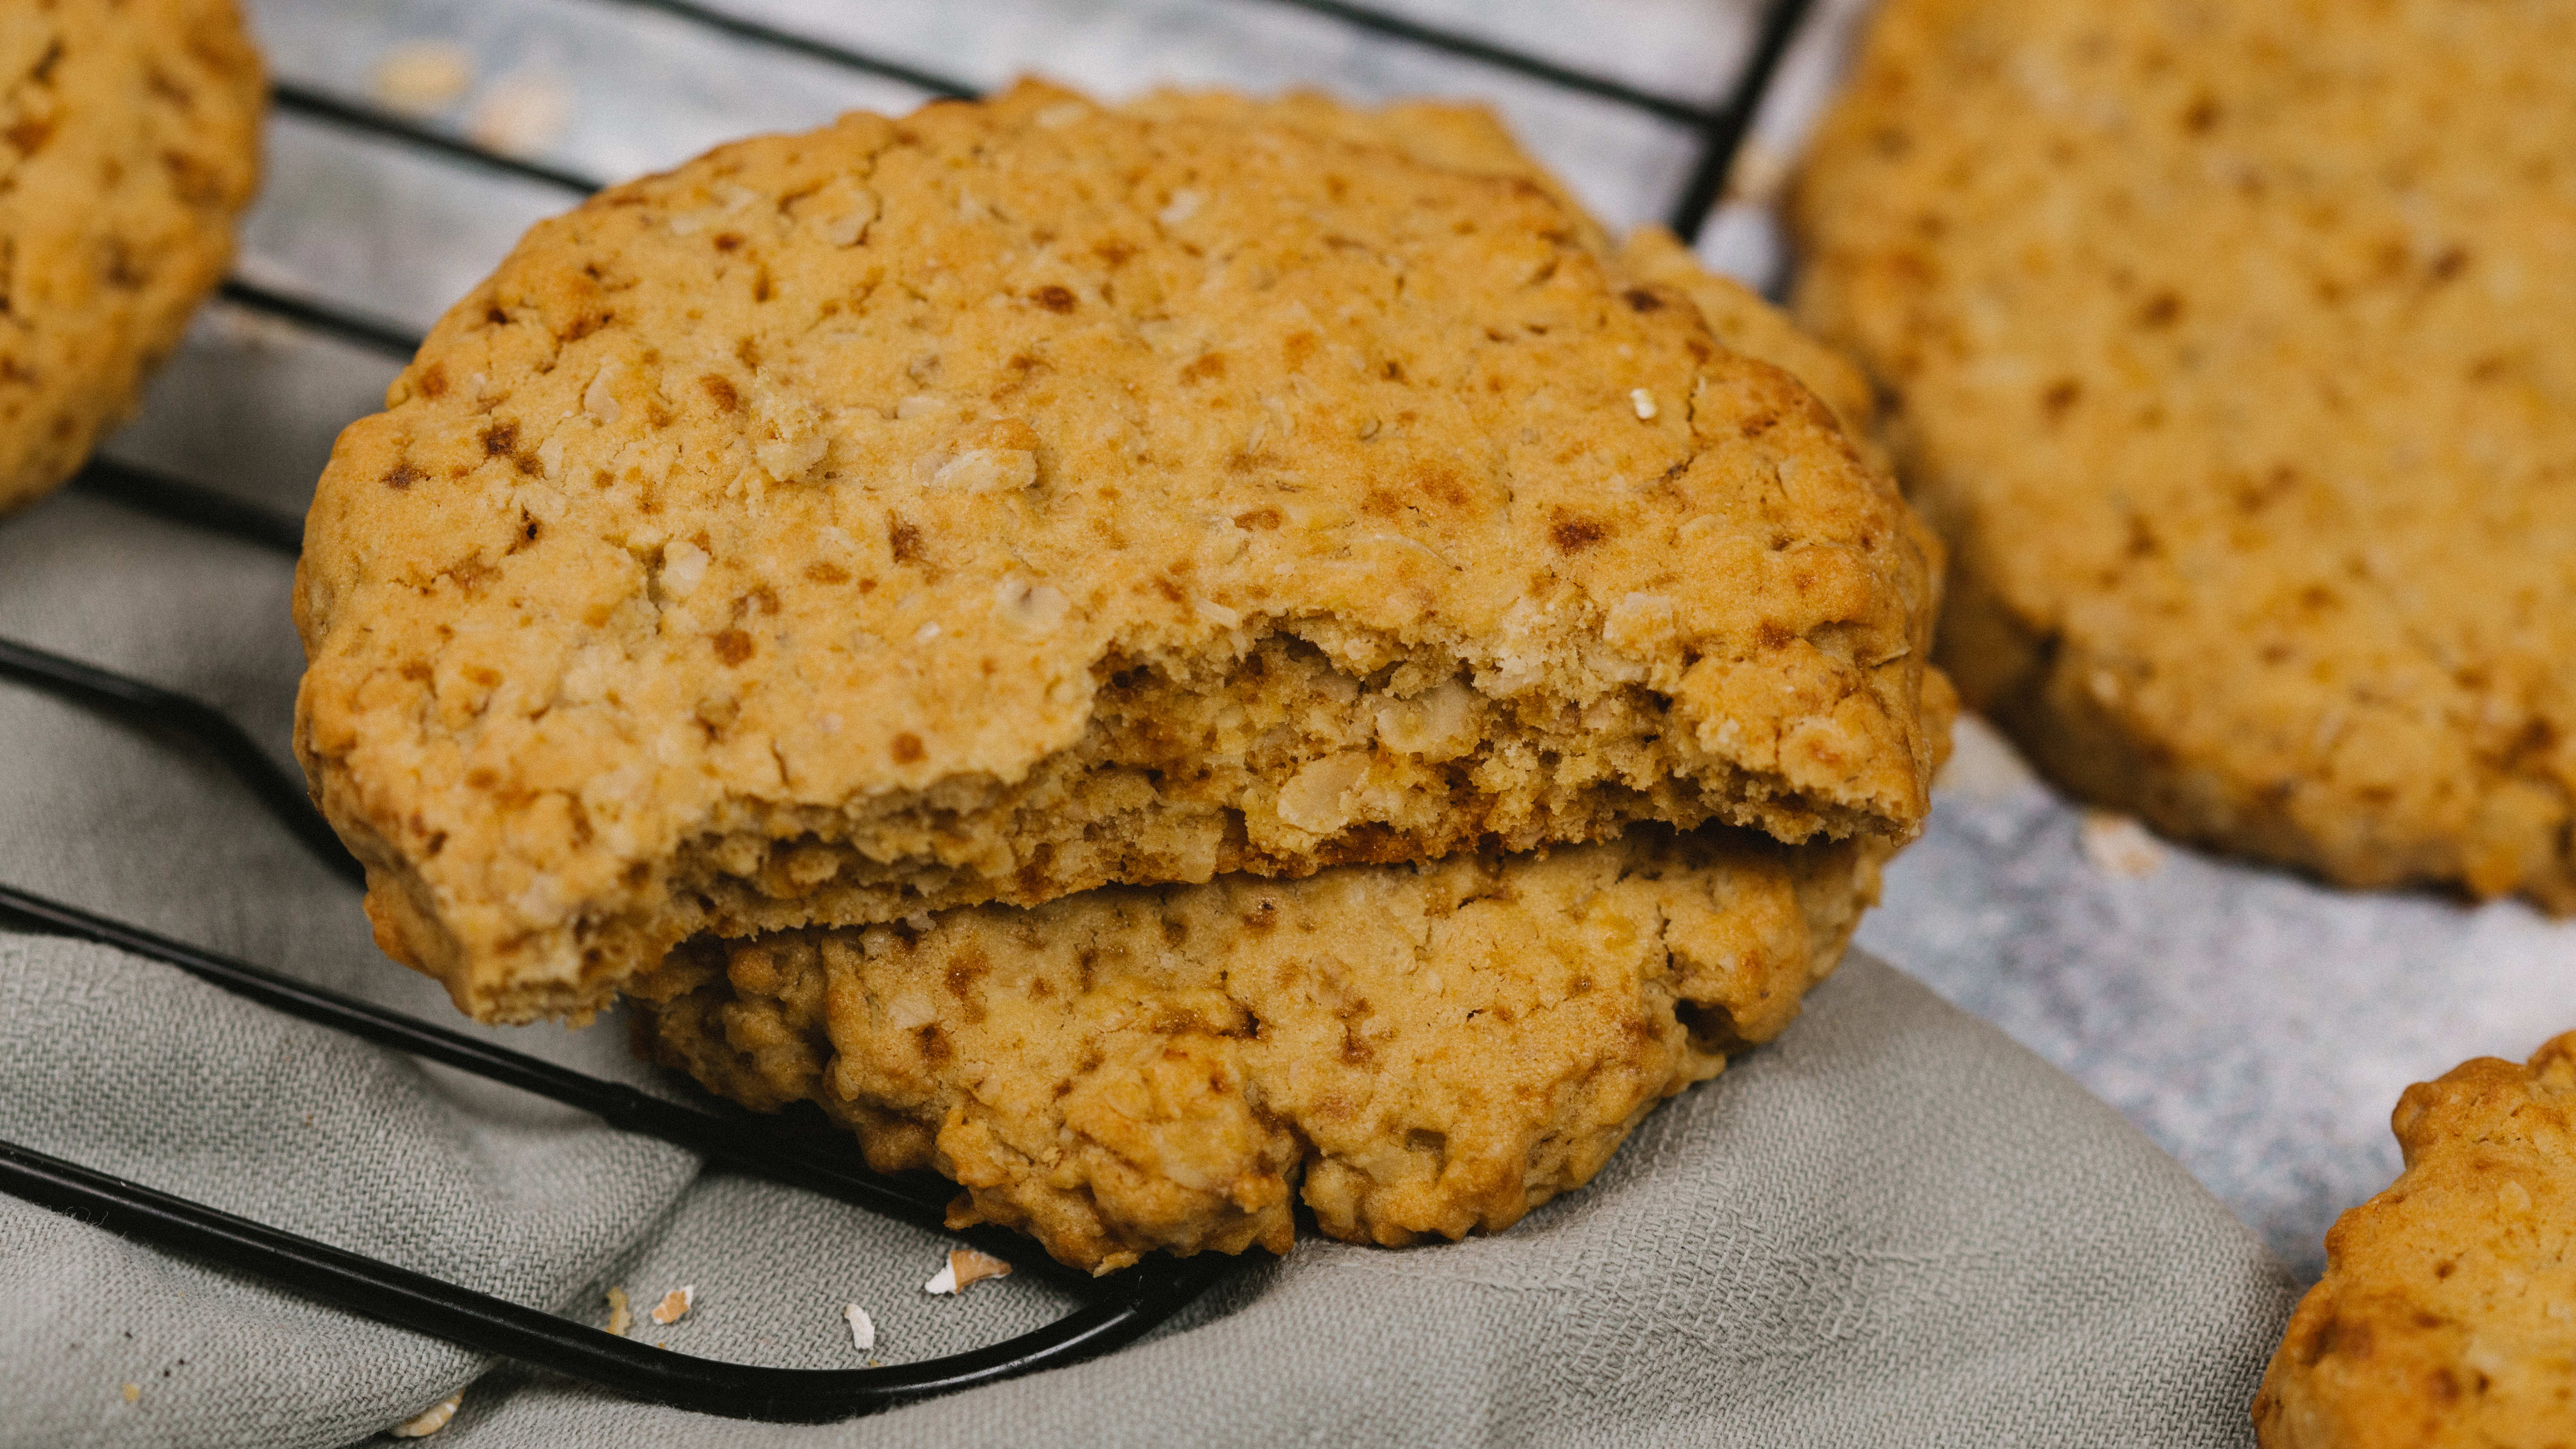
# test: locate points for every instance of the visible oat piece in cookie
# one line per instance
(1028, 496)
(1748, 324)
(2447, 1315)
(129, 140)
(2229, 345)
(1418, 1051)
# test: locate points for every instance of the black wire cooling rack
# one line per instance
(1112, 1311)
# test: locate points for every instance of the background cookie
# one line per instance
(1027, 496)
(2448, 1310)
(129, 139)
(2228, 345)
(1417, 1051)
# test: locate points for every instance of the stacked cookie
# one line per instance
(129, 140)
(1155, 659)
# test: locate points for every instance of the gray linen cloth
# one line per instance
(1891, 1227)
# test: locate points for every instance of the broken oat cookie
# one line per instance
(1031, 496)
(1417, 1051)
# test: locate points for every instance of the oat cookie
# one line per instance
(2229, 344)
(129, 140)
(2447, 1315)
(1028, 496)
(1418, 1051)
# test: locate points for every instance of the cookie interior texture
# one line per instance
(129, 140)
(1417, 1051)
(2444, 1317)
(1030, 496)
(2229, 345)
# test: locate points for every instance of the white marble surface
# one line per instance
(2258, 1026)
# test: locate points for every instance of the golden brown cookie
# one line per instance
(1417, 1051)
(1430, 1050)
(2447, 1316)
(1028, 496)
(129, 140)
(2229, 350)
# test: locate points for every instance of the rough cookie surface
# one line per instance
(2447, 1315)
(1029, 496)
(1748, 324)
(1419, 1050)
(129, 140)
(2230, 348)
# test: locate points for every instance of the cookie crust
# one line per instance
(2228, 349)
(2444, 1317)
(1416, 1051)
(1028, 496)
(129, 141)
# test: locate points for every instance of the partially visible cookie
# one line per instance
(1030, 495)
(129, 140)
(2228, 344)
(1417, 1051)
(2447, 1315)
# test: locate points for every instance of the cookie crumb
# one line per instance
(1760, 174)
(522, 113)
(133, 1392)
(675, 1305)
(1644, 402)
(2119, 847)
(620, 1318)
(430, 1420)
(964, 1269)
(422, 76)
(863, 1329)
(1982, 765)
